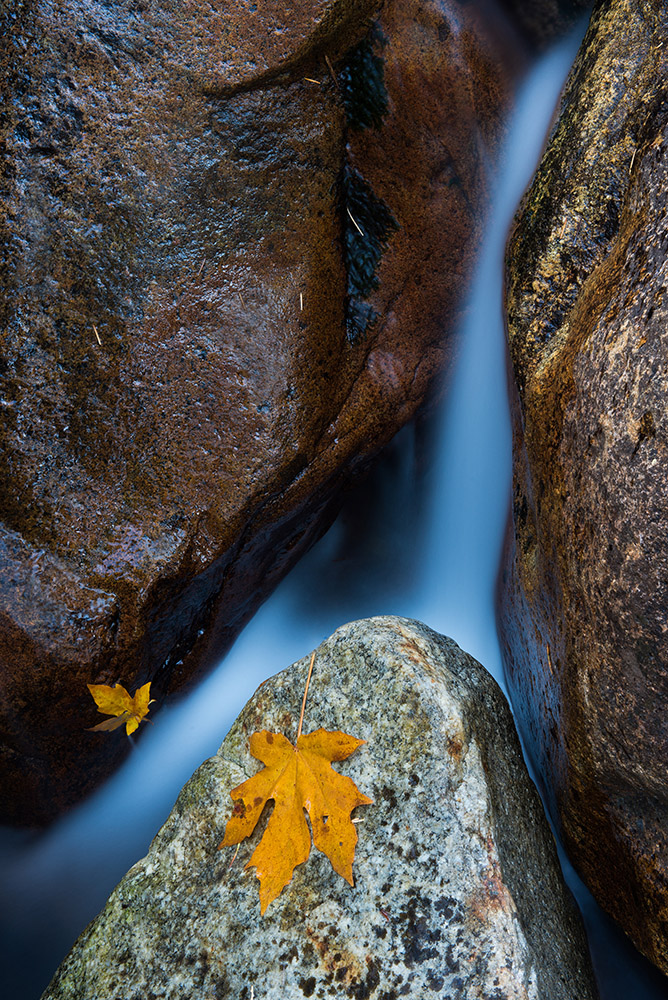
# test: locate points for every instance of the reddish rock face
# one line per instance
(198, 350)
(584, 608)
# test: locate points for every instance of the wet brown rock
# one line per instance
(196, 352)
(584, 610)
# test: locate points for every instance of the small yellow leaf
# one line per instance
(117, 702)
(297, 778)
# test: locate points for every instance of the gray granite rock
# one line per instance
(457, 893)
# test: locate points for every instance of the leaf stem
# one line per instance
(308, 681)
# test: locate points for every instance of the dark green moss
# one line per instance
(367, 221)
(359, 317)
(361, 77)
(368, 225)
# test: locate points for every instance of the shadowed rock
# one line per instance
(545, 21)
(585, 587)
(457, 888)
(182, 401)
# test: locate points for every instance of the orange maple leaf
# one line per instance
(297, 778)
(116, 701)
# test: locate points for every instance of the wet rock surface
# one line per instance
(585, 585)
(457, 889)
(200, 346)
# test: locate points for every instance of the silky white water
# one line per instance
(432, 558)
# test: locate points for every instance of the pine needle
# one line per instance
(331, 70)
(308, 681)
(357, 227)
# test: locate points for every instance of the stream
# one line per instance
(418, 539)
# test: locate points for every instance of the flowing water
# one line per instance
(391, 552)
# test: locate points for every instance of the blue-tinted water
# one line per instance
(392, 552)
